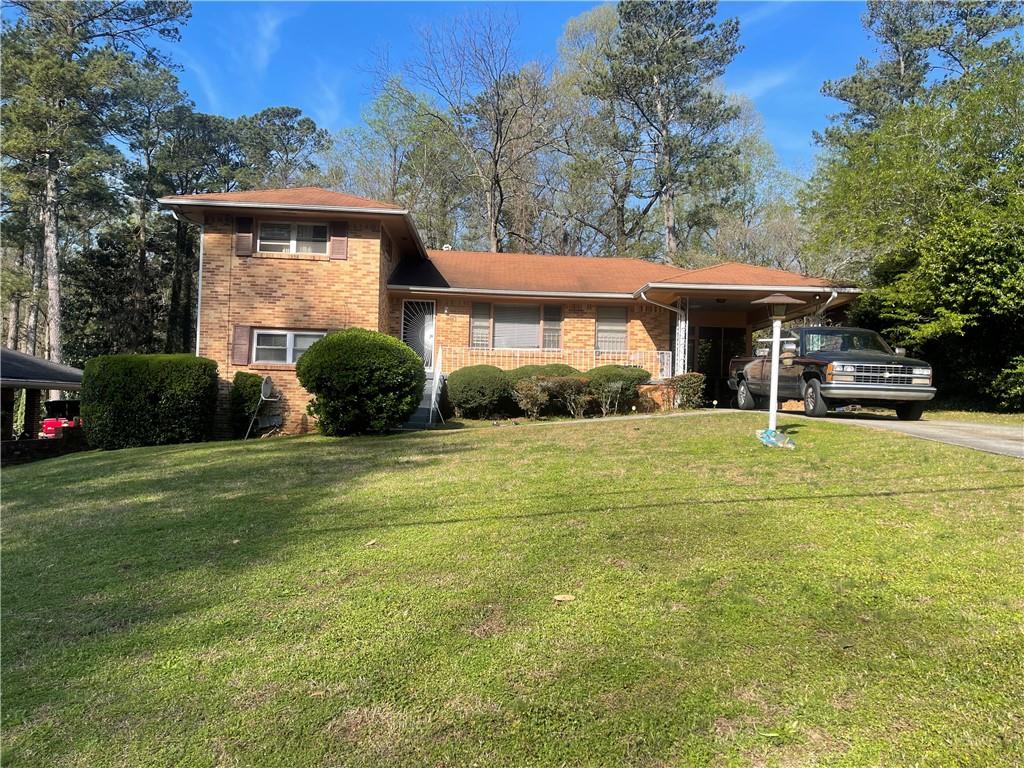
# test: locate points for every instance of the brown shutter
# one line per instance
(339, 240)
(243, 236)
(240, 344)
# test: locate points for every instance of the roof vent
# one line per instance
(446, 247)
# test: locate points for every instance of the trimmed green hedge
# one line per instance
(245, 399)
(361, 381)
(133, 400)
(480, 392)
(533, 371)
(616, 387)
(689, 390)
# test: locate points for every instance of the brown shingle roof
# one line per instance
(737, 273)
(309, 197)
(533, 273)
(530, 273)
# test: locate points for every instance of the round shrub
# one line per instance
(532, 371)
(361, 381)
(688, 389)
(616, 387)
(132, 400)
(479, 391)
(245, 399)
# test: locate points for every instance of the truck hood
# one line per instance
(865, 356)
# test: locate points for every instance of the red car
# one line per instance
(61, 415)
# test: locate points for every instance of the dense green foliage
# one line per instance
(615, 388)
(923, 176)
(688, 389)
(480, 391)
(245, 399)
(390, 599)
(361, 381)
(133, 400)
(532, 371)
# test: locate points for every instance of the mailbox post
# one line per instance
(778, 305)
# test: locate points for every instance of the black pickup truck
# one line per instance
(828, 367)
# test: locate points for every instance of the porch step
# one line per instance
(421, 416)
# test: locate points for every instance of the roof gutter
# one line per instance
(506, 292)
(169, 201)
(40, 384)
(734, 287)
(643, 295)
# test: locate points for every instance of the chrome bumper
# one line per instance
(891, 392)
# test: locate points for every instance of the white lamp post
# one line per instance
(778, 305)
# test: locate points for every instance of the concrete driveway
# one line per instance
(1007, 439)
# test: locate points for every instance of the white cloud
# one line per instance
(762, 82)
(256, 56)
(761, 12)
(210, 93)
(327, 93)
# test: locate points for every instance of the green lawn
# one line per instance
(366, 602)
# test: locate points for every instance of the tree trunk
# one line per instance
(32, 322)
(668, 208)
(14, 312)
(187, 325)
(50, 256)
(172, 336)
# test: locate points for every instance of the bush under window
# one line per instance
(133, 400)
(532, 371)
(616, 387)
(480, 392)
(245, 399)
(361, 381)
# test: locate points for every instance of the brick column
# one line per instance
(33, 398)
(6, 413)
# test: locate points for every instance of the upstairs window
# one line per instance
(294, 237)
(281, 346)
(611, 329)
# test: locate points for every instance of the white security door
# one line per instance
(418, 329)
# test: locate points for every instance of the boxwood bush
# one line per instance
(616, 387)
(361, 381)
(689, 389)
(480, 392)
(132, 400)
(533, 371)
(245, 399)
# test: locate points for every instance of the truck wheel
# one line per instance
(909, 411)
(814, 403)
(744, 397)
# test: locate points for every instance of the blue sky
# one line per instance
(318, 56)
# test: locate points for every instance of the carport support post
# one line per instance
(773, 401)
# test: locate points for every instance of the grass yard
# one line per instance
(368, 602)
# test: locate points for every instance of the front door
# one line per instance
(418, 329)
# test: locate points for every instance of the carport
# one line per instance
(19, 370)
(716, 315)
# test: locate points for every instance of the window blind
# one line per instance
(552, 326)
(611, 329)
(516, 326)
(480, 326)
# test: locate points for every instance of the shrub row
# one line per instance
(133, 400)
(484, 391)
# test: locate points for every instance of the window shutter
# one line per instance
(241, 341)
(243, 236)
(516, 326)
(339, 240)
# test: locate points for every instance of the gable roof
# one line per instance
(316, 198)
(534, 274)
(18, 370)
(737, 273)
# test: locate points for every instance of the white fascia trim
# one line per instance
(199, 290)
(734, 287)
(69, 386)
(504, 292)
(169, 201)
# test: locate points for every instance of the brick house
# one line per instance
(281, 267)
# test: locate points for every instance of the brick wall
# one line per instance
(647, 329)
(287, 292)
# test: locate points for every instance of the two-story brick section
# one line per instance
(279, 268)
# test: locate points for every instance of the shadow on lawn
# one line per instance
(90, 557)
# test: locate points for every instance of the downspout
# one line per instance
(682, 313)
